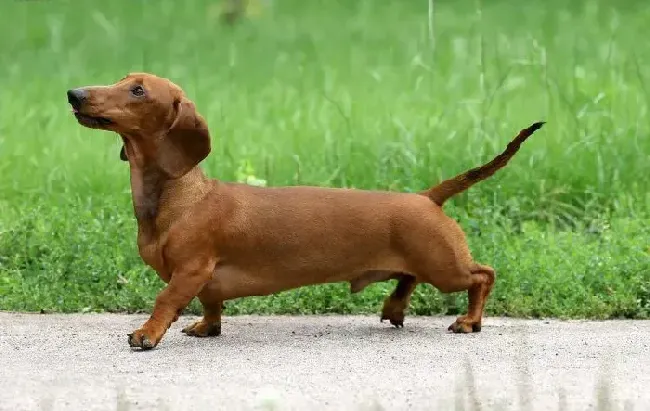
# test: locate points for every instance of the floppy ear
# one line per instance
(186, 143)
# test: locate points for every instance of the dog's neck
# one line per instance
(157, 199)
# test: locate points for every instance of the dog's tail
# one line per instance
(449, 188)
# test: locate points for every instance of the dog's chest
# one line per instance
(151, 252)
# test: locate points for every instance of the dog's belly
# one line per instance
(234, 281)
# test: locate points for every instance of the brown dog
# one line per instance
(220, 241)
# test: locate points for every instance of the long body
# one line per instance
(320, 235)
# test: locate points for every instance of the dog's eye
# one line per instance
(137, 91)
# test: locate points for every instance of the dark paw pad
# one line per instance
(137, 340)
(460, 328)
(202, 329)
(396, 322)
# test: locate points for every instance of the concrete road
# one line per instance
(83, 362)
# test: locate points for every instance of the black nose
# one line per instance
(76, 97)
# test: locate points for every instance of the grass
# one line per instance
(345, 94)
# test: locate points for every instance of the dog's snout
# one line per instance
(76, 97)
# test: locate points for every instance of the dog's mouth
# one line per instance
(91, 121)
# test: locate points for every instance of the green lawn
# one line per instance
(346, 94)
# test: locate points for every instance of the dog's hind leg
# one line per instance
(210, 324)
(398, 301)
(482, 281)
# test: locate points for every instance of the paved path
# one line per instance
(82, 362)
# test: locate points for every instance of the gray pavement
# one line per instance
(83, 362)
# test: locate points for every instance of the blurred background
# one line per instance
(376, 94)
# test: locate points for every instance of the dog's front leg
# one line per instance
(184, 285)
(210, 324)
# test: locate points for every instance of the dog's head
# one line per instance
(158, 123)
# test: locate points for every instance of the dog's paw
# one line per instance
(463, 326)
(203, 329)
(396, 320)
(140, 339)
(393, 314)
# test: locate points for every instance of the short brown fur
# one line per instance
(218, 241)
